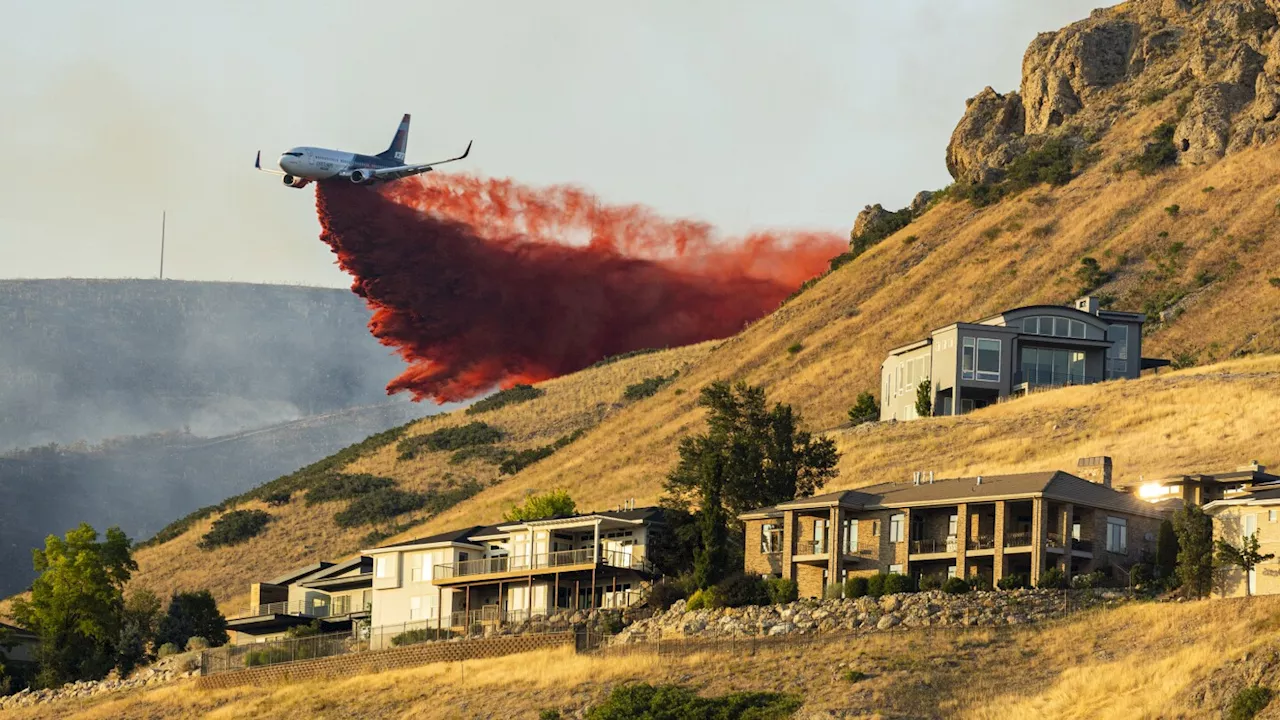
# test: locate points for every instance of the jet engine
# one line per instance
(361, 177)
(295, 182)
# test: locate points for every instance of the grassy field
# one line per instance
(1137, 661)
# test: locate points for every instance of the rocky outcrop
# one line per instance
(1220, 57)
(170, 669)
(871, 216)
(867, 614)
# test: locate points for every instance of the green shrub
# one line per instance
(955, 586)
(739, 591)
(1094, 579)
(884, 226)
(1056, 161)
(665, 594)
(267, 656)
(624, 356)
(168, 649)
(276, 499)
(413, 637)
(196, 642)
(834, 591)
(1090, 276)
(503, 398)
(345, 487)
(1014, 582)
(675, 702)
(929, 582)
(1173, 210)
(1275, 282)
(700, 599)
(488, 453)
(855, 587)
(1160, 152)
(840, 261)
(875, 585)
(794, 348)
(549, 714)
(542, 506)
(520, 460)
(895, 583)
(865, 409)
(1053, 578)
(450, 438)
(853, 676)
(781, 590)
(379, 506)
(1248, 702)
(980, 582)
(235, 527)
(647, 387)
(311, 629)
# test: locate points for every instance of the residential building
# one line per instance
(515, 570)
(992, 526)
(334, 595)
(1235, 518)
(1203, 488)
(972, 365)
(19, 644)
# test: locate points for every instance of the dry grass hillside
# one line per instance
(1136, 661)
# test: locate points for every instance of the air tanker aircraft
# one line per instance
(302, 165)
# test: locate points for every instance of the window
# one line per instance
(988, 360)
(1118, 352)
(770, 538)
(1045, 366)
(415, 608)
(383, 567)
(1054, 327)
(966, 360)
(951, 525)
(1271, 516)
(819, 536)
(422, 607)
(895, 569)
(418, 567)
(1250, 524)
(849, 537)
(895, 528)
(1117, 531)
(951, 571)
(875, 528)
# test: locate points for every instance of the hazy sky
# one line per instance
(746, 114)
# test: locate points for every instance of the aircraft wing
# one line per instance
(404, 171)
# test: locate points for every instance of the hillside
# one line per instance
(1191, 241)
(1142, 660)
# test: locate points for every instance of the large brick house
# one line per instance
(991, 526)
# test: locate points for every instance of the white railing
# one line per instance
(542, 561)
(309, 608)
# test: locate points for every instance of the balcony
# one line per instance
(982, 542)
(811, 547)
(935, 545)
(1017, 539)
(309, 608)
(1048, 378)
(539, 564)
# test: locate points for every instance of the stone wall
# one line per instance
(924, 609)
(381, 660)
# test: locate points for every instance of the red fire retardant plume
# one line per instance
(478, 283)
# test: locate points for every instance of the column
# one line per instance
(997, 561)
(789, 544)
(1039, 519)
(835, 555)
(906, 542)
(1064, 520)
(962, 540)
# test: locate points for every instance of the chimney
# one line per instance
(915, 478)
(1253, 466)
(1089, 304)
(1095, 469)
(979, 480)
(930, 477)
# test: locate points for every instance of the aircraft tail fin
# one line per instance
(398, 143)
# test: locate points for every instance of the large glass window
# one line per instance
(1045, 366)
(1053, 326)
(966, 362)
(988, 360)
(770, 538)
(1118, 353)
(895, 528)
(1117, 531)
(849, 535)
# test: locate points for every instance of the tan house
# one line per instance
(992, 526)
(334, 595)
(1202, 488)
(1235, 518)
(20, 645)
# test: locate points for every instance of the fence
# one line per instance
(240, 657)
(541, 561)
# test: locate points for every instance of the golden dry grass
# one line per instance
(1136, 661)
(957, 269)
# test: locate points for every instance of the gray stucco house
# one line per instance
(972, 365)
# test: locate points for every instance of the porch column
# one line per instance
(440, 607)
(955, 399)
(962, 540)
(502, 597)
(529, 599)
(1065, 520)
(788, 544)
(905, 556)
(997, 560)
(595, 545)
(1039, 521)
(834, 554)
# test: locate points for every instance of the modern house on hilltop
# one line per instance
(1202, 488)
(486, 575)
(992, 526)
(972, 365)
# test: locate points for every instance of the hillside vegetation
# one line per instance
(1137, 661)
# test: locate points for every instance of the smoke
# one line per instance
(480, 282)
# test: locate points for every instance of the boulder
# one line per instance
(888, 621)
(1061, 71)
(987, 137)
(1204, 133)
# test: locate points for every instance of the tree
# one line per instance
(1194, 530)
(924, 399)
(139, 622)
(554, 503)
(192, 614)
(865, 409)
(77, 603)
(750, 456)
(1246, 557)
(1166, 550)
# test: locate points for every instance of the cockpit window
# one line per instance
(294, 154)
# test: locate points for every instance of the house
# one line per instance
(972, 365)
(1203, 488)
(1237, 517)
(17, 645)
(992, 526)
(515, 570)
(334, 595)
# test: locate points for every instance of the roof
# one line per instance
(294, 575)
(461, 535)
(17, 631)
(1056, 485)
(476, 533)
(1261, 496)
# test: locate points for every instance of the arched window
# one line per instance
(1053, 326)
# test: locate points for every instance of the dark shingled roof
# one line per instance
(462, 535)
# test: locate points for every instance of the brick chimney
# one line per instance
(1095, 469)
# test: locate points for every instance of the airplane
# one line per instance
(303, 165)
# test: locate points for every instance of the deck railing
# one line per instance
(542, 561)
(315, 608)
(935, 545)
(982, 542)
(1017, 539)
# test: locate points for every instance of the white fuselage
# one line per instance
(317, 163)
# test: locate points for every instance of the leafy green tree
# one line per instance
(1166, 550)
(192, 614)
(865, 409)
(139, 622)
(750, 456)
(6, 680)
(924, 399)
(1194, 530)
(77, 603)
(553, 503)
(1246, 557)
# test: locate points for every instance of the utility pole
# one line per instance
(163, 213)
